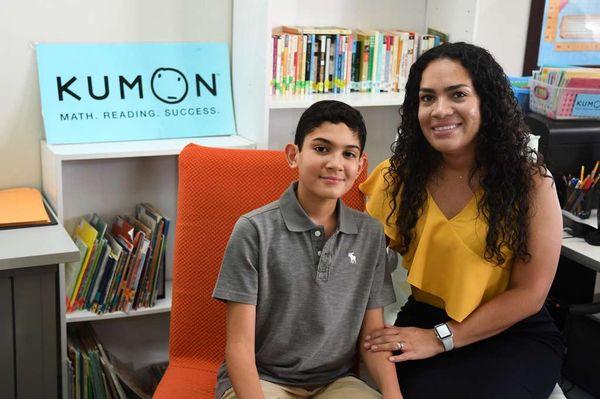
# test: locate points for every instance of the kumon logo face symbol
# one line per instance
(168, 85)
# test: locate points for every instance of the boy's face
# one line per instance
(329, 162)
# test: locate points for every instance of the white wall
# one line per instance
(25, 22)
(499, 25)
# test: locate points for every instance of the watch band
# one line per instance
(444, 334)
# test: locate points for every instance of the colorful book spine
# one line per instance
(349, 62)
(327, 53)
(372, 62)
(274, 71)
(363, 76)
(321, 71)
(303, 65)
(355, 67)
(312, 64)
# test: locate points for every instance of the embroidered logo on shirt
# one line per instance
(352, 257)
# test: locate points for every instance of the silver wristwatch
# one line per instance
(444, 334)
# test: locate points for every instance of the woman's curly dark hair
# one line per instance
(505, 163)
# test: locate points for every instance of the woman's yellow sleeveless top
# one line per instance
(445, 261)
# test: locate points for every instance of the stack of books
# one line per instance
(309, 60)
(120, 267)
(22, 207)
(94, 373)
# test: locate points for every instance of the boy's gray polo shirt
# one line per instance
(310, 293)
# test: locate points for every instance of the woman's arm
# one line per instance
(382, 371)
(239, 351)
(528, 288)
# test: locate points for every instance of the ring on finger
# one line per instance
(400, 345)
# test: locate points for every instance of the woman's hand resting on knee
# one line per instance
(412, 343)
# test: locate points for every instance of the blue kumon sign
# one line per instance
(116, 92)
(586, 105)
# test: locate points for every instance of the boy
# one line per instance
(304, 277)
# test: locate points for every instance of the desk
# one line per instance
(578, 250)
(575, 248)
(30, 310)
(582, 359)
(578, 266)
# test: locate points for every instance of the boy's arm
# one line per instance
(239, 351)
(380, 368)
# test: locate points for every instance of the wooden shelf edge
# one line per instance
(142, 148)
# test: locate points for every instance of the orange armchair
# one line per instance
(216, 186)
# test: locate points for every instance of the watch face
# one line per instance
(443, 331)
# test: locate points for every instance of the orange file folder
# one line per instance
(22, 207)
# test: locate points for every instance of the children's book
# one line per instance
(72, 268)
(87, 234)
(316, 30)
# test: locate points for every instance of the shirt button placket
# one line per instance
(322, 274)
(317, 243)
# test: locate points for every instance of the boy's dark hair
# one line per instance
(334, 112)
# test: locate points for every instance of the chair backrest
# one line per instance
(217, 186)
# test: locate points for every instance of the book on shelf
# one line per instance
(315, 30)
(159, 277)
(86, 235)
(122, 267)
(95, 373)
(364, 77)
(156, 222)
(309, 60)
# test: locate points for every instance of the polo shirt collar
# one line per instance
(296, 219)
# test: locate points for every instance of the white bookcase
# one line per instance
(270, 120)
(110, 179)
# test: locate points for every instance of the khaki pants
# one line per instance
(343, 388)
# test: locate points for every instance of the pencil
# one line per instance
(582, 172)
(595, 169)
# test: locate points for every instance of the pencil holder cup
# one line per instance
(586, 208)
(569, 197)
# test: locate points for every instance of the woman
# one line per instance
(475, 215)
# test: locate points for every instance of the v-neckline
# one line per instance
(464, 208)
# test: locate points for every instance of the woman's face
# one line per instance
(449, 108)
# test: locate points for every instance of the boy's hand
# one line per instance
(412, 343)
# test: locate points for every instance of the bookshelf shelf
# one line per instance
(162, 306)
(354, 99)
(147, 148)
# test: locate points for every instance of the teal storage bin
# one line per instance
(520, 86)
